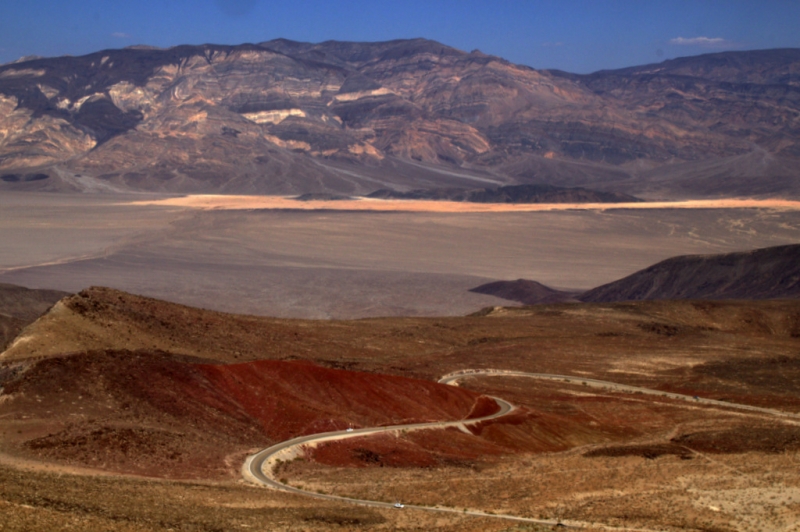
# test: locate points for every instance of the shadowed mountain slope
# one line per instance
(27, 303)
(284, 117)
(769, 273)
(510, 194)
(525, 292)
(20, 306)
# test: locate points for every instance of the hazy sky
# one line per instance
(573, 35)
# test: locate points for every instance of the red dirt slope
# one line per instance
(295, 398)
(167, 415)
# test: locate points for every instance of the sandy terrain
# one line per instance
(42, 229)
(213, 201)
(345, 263)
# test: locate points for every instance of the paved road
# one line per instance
(258, 467)
(452, 378)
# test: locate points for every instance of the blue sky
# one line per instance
(574, 35)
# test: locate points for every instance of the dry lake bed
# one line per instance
(274, 256)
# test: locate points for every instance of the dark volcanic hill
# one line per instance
(510, 194)
(526, 292)
(340, 117)
(769, 273)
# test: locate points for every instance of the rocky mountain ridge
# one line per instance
(526, 292)
(766, 273)
(20, 306)
(285, 117)
(510, 194)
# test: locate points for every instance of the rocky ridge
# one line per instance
(284, 117)
(768, 273)
(526, 292)
(510, 194)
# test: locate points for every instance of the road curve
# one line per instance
(259, 466)
(452, 378)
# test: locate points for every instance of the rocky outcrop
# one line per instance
(287, 117)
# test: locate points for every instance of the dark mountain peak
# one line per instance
(767, 273)
(525, 291)
(775, 66)
(357, 54)
(285, 44)
(143, 47)
(403, 48)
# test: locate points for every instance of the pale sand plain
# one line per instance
(217, 201)
(355, 258)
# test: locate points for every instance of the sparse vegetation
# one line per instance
(571, 450)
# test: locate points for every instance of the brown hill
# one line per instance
(338, 117)
(126, 383)
(768, 273)
(150, 412)
(526, 292)
(20, 306)
(27, 304)
(102, 318)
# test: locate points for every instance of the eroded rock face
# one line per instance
(288, 117)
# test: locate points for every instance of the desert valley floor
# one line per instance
(244, 257)
(122, 412)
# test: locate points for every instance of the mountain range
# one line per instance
(766, 273)
(285, 117)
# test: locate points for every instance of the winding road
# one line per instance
(259, 467)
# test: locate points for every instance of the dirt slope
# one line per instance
(103, 318)
(592, 451)
(162, 414)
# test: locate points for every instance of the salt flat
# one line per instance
(300, 259)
